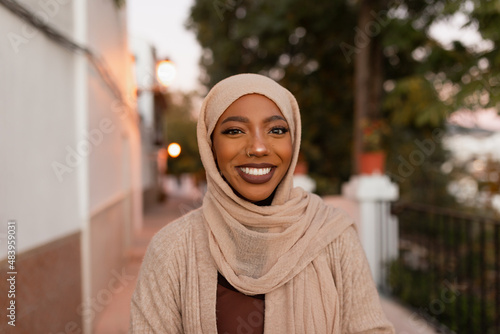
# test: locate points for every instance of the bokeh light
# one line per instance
(165, 72)
(174, 150)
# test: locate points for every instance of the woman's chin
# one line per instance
(256, 197)
(252, 192)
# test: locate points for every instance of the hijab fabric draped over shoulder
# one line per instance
(271, 249)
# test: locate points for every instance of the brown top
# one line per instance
(237, 312)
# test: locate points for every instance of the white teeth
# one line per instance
(256, 171)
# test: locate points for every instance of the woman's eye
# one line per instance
(279, 130)
(232, 132)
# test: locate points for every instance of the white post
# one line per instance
(378, 230)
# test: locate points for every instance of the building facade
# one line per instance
(70, 171)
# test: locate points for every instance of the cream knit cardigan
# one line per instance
(177, 286)
(302, 254)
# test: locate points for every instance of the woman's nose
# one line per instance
(258, 146)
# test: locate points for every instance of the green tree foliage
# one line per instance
(426, 81)
(296, 43)
(310, 47)
(119, 3)
(481, 80)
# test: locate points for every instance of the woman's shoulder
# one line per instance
(176, 235)
(337, 219)
(346, 244)
(341, 221)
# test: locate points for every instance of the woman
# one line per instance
(259, 255)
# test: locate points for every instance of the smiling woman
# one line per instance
(252, 146)
(259, 256)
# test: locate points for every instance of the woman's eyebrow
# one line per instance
(275, 118)
(243, 119)
(236, 119)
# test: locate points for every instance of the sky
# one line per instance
(453, 29)
(161, 22)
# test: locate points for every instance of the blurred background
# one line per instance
(98, 107)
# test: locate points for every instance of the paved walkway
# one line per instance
(404, 320)
(115, 318)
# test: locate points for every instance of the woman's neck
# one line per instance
(266, 202)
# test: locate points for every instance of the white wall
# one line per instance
(36, 129)
(107, 35)
(145, 65)
(62, 159)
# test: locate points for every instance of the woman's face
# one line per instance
(252, 146)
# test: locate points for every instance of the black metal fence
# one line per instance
(448, 268)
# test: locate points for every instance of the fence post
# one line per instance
(378, 229)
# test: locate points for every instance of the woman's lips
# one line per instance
(256, 174)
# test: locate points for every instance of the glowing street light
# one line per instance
(174, 150)
(165, 72)
(165, 75)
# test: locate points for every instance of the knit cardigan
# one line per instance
(177, 284)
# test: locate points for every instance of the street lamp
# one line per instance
(174, 150)
(165, 72)
(153, 76)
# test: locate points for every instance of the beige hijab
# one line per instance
(271, 249)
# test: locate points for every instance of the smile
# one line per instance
(255, 171)
(256, 174)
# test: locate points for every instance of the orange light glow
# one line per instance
(174, 150)
(161, 160)
(162, 153)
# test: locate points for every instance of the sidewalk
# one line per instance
(404, 320)
(114, 319)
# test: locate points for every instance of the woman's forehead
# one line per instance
(231, 89)
(253, 105)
